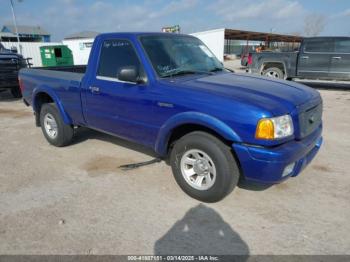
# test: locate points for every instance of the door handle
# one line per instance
(94, 89)
(336, 57)
(304, 57)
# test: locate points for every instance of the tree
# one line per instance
(314, 24)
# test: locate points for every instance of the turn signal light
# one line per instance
(265, 129)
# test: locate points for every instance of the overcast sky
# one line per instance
(63, 17)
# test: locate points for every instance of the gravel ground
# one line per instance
(75, 200)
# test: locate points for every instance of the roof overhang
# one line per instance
(260, 36)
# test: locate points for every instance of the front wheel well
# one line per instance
(40, 99)
(185, 129)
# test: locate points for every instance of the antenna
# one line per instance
(15, 23)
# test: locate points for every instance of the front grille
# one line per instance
(8, 65)
(310, 120)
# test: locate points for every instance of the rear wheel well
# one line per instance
(40, 99)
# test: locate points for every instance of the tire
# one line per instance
(16, 92)
(221, 163)
(50, 119)
(273, 72)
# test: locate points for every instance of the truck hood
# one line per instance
(276, 96)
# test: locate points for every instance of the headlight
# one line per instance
(274, 128)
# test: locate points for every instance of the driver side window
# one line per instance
(115, 54)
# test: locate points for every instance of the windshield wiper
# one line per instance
(186, 72)
(217, 69)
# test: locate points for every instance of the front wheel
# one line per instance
(56, 132)
(204, 167)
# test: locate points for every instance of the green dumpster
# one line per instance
(56, 55)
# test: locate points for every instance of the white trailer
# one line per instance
(214, 40)
(80, 49)
(30, 50)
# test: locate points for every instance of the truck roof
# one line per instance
(137, 34)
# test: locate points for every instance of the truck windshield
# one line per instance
(177, 55)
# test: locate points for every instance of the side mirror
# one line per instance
(14, 49)
(129, 74)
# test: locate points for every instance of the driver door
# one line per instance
(119, 107)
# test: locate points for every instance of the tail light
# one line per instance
(250, 59)
(21, 86)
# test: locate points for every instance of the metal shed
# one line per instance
(221, 41)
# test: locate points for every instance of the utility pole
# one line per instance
(15, 23)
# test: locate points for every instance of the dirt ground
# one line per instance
(75, 200)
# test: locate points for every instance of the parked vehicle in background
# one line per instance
(170, 93)
(10, 64)
(319, 58)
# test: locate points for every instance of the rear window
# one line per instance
(319, 45)
(342, 46)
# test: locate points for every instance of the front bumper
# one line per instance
(267, 165)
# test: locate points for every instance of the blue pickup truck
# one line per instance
(170, 93)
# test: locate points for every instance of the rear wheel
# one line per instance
(16, 92)
(204, 166)
(56, 132)
(274, 72)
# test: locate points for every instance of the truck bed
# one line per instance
(73, 69)
(69, 73)
(60, 80)
(288, 59)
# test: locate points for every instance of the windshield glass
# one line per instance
(177, 55)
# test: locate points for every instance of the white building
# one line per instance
(80, 44)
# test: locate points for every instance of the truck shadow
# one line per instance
(330, 86)
(6, 96)
(252, 186)
(84, 134)
(202, 231)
